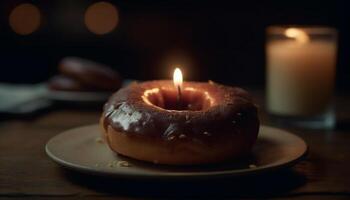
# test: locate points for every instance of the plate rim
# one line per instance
(121, 172)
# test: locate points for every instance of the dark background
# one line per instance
(218, 40)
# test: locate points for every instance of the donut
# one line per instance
(212, 123)
(90, 74)
(60, 82)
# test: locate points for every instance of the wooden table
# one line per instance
(26, 171)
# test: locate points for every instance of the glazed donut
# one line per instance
(60, 82)
(213, 123)
(90, 74)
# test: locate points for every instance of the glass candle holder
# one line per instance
(301, 63)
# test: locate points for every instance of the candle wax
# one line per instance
(300, 76)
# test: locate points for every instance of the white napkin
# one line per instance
(18, 98)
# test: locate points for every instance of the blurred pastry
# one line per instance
(61, 82)
(78, 74)
(90, 74)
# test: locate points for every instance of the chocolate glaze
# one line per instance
(138, 110)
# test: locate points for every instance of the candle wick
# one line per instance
(179, 97)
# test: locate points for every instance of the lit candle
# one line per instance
(177, 78)
(300, 70)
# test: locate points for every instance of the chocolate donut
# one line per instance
(213, 123)
(60, 82)
(90, 74)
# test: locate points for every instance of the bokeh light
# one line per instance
(25, 19)
(101, 18)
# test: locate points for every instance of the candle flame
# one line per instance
(177, 78)
(297, 34)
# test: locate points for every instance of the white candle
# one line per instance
(300, 74)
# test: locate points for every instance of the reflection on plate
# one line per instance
(82, 149)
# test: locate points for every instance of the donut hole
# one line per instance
(191, 99)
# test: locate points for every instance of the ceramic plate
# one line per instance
(82, 149)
